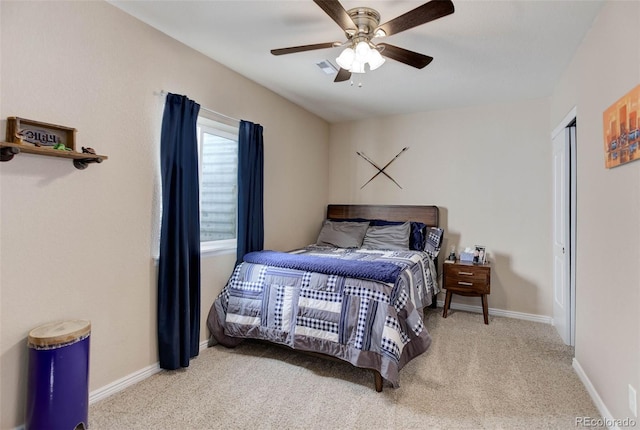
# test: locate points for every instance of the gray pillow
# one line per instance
(342, 234)
(393, 237)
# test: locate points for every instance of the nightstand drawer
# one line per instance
(471, 274)
(467, 284)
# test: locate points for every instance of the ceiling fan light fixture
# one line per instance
(357, 67)
(363, 51)
(354, 60)
(375, 59)
(345, 59)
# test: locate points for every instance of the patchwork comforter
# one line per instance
(338, 302)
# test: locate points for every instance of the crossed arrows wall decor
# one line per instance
(381, 170)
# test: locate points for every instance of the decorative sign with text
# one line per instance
(20, 130)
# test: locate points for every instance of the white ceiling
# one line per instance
(486, 52)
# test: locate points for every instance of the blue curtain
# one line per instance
(179, 264)
(250, 189)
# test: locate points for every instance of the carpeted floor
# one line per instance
(511, 374)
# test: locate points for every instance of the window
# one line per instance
(218, 157)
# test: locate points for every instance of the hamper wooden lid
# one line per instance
(59, 332)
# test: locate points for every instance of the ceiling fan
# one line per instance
(361, 25)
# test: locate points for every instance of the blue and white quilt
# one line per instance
(364, 307)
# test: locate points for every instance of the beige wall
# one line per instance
(605, 67)
(77, 244)
(487, 168)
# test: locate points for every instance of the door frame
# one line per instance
(570, 121)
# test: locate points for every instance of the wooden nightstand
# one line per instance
(467, 279)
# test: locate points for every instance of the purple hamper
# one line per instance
(58, 376)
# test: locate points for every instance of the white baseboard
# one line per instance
(122, 383)
(127, 381)
(607, 418)
(500, 312)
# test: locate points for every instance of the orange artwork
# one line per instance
(621, 129)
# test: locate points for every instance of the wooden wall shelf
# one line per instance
(80, 159)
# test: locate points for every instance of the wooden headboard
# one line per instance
(425, 214)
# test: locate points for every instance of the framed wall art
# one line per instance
(621, 129)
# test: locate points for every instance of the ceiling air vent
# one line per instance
(327, 67)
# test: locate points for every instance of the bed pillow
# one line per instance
(434, 241)
(416, 239)
(342, 234)
(393, 237)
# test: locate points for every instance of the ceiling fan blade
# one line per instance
(405, 56)
(302, 48)
(422, 14)
(334, 9)
(343, 75)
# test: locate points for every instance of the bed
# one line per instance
(357, 294)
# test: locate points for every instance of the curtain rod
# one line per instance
(164, 93)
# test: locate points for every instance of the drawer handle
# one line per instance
(465, 283)
(466, 273)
